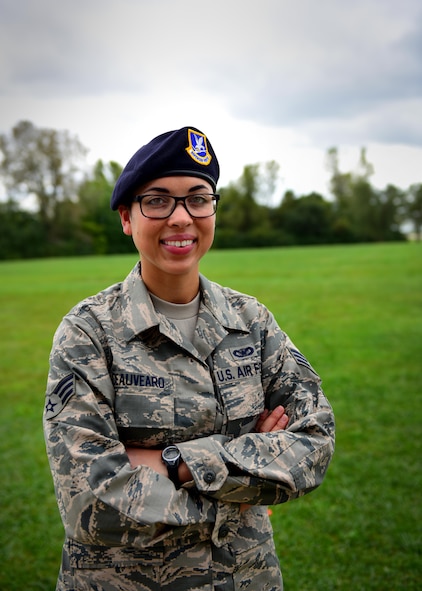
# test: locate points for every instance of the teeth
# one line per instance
(178, 243)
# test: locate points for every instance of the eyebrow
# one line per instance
(168, 192)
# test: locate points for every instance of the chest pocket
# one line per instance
(144, 408)
(152, 411)
(238, 381)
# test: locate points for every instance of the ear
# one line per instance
(124, 213)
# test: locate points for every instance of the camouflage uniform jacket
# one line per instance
(122, 373)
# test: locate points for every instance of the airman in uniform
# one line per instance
(176, 409)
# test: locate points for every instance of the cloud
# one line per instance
(337, 62)
(61, 49)
(284, 79)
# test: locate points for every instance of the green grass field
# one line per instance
(354, 311)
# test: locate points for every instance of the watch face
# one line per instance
(171, 453)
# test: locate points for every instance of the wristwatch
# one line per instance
(171, 458)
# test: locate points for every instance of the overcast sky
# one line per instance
(266, 80)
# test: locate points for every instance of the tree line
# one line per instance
(55, 207)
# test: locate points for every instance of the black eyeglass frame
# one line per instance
(215, 198)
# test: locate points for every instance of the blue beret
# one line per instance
(184, 152)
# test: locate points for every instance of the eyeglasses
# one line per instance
(159, 207)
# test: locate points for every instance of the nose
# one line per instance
(180, 216)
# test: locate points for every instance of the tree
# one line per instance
(42, 163)
(414, 208)
(303, 220)
(362, 212)
(99, 224)
(340, 182)
(21, 234)
(242, 220)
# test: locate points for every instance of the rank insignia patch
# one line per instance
(198, 148)
(57, 400)
(301, 359)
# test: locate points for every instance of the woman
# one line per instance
(177, 409)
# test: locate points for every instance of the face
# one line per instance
(173, 246)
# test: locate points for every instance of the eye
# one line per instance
(198, 200)
(155, 201)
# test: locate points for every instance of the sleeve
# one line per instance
(102, 500)
(271, 468)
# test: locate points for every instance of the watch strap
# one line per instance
(173, 472)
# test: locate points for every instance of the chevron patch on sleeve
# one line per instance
(57, 400)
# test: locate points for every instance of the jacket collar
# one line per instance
(139, 314)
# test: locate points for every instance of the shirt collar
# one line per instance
(140, 315)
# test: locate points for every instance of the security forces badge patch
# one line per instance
(58, 398)
(198, 148)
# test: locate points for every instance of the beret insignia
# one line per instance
(198, 148)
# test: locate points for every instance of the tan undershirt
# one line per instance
(184, 316)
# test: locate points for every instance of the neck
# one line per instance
(177, 289)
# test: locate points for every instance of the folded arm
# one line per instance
(268, 421)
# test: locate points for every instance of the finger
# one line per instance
(261, 419)
(270, 423)
(281, 423)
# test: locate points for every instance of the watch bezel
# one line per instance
(167, 456)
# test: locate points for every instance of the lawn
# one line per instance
(354, 311)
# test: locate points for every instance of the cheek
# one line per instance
(209, 232)
(144, 235)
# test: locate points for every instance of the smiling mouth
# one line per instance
(178, 243)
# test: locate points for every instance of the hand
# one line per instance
(269, 421)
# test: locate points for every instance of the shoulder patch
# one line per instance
(57, 400)
(301, 359)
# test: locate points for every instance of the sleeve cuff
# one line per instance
(204, 458)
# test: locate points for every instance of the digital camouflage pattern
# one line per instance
(122, 374)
